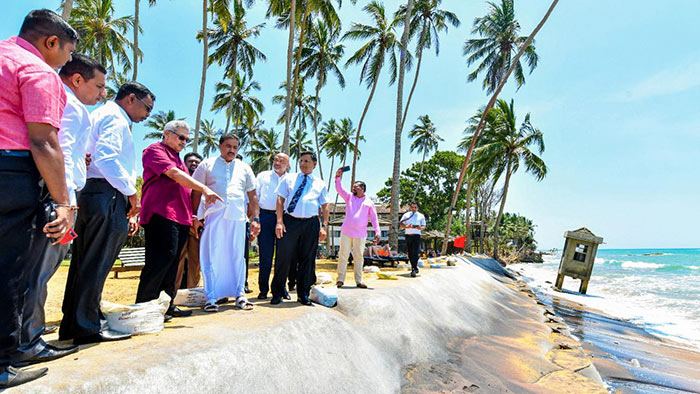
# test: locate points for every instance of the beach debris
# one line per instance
(403, 266)
(326, 296)
(371, 268)
(421, 263)
(635, 362)
(387, 275)
(194, 297)
(451, 262)
(435, 266)
(323, 278)
(136, 319)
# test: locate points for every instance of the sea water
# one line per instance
(658, 289)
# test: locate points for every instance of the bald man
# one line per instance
(267, 182)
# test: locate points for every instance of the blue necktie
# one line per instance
(297, 195)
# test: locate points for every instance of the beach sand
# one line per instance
(469, 328)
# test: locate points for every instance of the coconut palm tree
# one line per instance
(157, 123)
(425, 140)
(327, 130)
(498, 43)
(381, 44)
(138, 55)
(303, 108)
(210, 137)
(239, 102)
(337, 140)
(233, 48)
(101, 35)
(263, 150)
(320, 56)
(427, 20)
(66, 8)
(504, 144)
(299, 143)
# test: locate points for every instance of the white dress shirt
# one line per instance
(231, 181)
(73, 137)
(267, 184)
(112, 148)
(417, 220)
(312, 197)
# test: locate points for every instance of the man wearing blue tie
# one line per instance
(298, 229)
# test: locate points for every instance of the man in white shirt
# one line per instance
(413, 222)
(300, 197)
(222, 245)
(109, 206)
(84, 82)
(267, 182)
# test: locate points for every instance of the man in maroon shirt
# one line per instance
(32, 99)
(166, 212)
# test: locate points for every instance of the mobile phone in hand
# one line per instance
(345, 169)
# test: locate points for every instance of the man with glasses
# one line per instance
(166, 213)
(109, 206)
(300, 198)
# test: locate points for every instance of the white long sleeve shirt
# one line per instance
(112, 148)
(73, 137)
(267, 182)
(231, 181)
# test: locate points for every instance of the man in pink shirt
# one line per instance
(353, 233)
(32, 99)
(166, 213)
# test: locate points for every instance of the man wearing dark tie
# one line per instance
(300, 197)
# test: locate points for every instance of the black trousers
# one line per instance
(164, 242)
(102, 229)
(413, 246)
(299, 244)
(33, 316)
(22, 241)
(266, 245)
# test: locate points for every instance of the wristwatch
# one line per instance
(256, 220)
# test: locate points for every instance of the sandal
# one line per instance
(211, 307)
(242, 303)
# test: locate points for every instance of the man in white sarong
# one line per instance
(221, 249)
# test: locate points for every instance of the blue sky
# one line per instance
(615, 94)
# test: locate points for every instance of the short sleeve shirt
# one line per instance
(416, 219)
(30, 92)
(312, 197)
(161, 195)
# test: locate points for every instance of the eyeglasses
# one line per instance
(181, 137)
(148, 107)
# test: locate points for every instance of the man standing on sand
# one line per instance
(32, 100)
(223, 239)
(190, 252)
(109, 206)
(353, 233)
(84, 82)
(267, 182)
(413, 222)
(300, 198)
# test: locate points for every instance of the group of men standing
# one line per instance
(65, 171)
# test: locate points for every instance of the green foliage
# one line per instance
(518, 232)
(435, 191)
(157, 123)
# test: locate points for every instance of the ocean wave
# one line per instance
(641, 265)
(674, 268)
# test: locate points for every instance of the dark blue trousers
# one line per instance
(266, 246)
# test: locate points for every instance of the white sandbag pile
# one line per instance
(323, 278)
(326, 296)
(136, 319)
(194, 297)
(371, 268)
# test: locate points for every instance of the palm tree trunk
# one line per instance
(205, 65)
(67, 8)
(137, 6)
(318, 150)
(330, 173)
(229, 113)
(297, 66)
(419, 55)
(420, 177)
(394, 235)
(359, 125)
(288, 101)
(468, 235)
(500, 212)
(490, 104)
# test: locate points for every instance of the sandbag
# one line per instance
(326, 296)
(136, 319)
(194, 297)
(421, 263)
(403, 266)
(387, 275)
(435, 266)
(371, 268)
(323, 278)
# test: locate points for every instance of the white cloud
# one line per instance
(671, 80)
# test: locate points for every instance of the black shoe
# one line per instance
(177, 312)
(291, 287)
(167, 318)
(262, 296)
(103, 336)
(247, 289)
(275, 300)
(50, 330)
(414, 274)
(49, 353)
(287, 296)
(12, 377)
(305, 301)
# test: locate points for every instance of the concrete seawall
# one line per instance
(456, 328)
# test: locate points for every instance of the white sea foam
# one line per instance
(641, 265)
